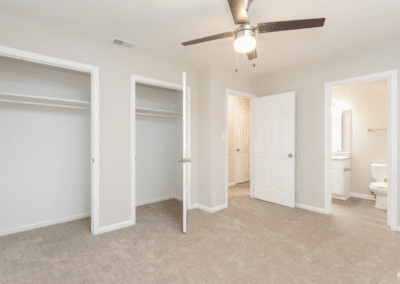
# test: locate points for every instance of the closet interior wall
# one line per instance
(159, 144)
(45, 150)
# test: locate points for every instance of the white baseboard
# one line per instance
(340, 197)
(43, 224)
(232, 184)
(177, 197)
(310, 208)
(193, 206)
(208, 209)
(140, 203)
(363, 196)
(116, 226)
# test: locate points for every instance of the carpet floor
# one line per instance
(249, 242)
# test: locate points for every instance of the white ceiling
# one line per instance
(159, 26)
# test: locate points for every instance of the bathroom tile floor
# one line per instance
(359, 209)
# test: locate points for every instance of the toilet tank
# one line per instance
(379, 171)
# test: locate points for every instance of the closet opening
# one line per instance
(160, 168)
(47, 143)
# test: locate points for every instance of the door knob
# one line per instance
(238, 150)
(290, 155)
(179, 160)
(188, 160)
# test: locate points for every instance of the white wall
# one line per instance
(308, 80)
(44, 151)
(368, 102)
(116, 64)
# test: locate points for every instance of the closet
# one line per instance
(160, 173)
(45, 145)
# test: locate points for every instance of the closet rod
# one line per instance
(43, 104)
(150, 114)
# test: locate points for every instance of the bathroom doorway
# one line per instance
(360, 149)
(238, 134)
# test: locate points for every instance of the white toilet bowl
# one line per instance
(380, 190)
(379, 187)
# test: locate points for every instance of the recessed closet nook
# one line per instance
(159, 151)
(45, 145)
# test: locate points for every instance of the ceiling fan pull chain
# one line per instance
(236, 60)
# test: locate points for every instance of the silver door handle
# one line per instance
(188, 160)
(180, 160)
(290, 155)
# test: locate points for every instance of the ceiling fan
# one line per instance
(245, 34)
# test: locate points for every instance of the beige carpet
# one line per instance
(241, 189)
(249, 242)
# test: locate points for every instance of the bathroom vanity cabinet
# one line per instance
(341, 178)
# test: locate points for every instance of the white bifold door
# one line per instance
(274, 119)
(185, 159)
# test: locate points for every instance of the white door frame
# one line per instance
(248, 96)
(393, 128)
(149, 81)
(95, 115)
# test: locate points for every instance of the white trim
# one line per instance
(193, 206)
(149, 81)
(231, 184)
(251, 97)
(363, 196)
(44, 224)
(310, 208)
(208, 209)
(154, 200)
(212, 210)
(176, 197)
(393, 129)
(95, 116)
(340, 197)
(116, 226)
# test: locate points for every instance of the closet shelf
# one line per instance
(44, 101)
(157, 112)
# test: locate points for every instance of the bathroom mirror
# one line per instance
(341, 130)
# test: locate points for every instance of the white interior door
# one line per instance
(185, 158)
(242, 145)
(274, 148)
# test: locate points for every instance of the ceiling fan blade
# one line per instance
(208, 38)
(290, 25)
(239, 12)
(252, 55)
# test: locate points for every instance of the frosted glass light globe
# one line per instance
(245, 44)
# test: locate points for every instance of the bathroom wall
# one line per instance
(368, 102)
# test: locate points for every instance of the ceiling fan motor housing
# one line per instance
(244, 30)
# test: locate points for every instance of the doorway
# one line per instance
(238, 144)
(361, 149)
(160, 141)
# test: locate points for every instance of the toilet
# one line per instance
(379, 187)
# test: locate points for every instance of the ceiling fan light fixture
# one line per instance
(244, 39)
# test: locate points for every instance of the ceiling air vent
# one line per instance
(123, 43)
